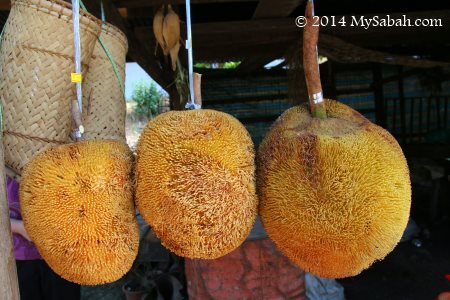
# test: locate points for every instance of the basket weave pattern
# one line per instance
(36, 59)
(104, 108)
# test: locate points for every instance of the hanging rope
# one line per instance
(102, 12)
(108, 53)
(191, 104)
(76, 77)
(1, 103)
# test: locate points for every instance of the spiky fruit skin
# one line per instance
(196, 182)
(335, 194)
(77, 207)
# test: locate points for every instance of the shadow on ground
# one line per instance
(408, 273)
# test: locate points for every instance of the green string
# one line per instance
(111, 59)
(1, 103)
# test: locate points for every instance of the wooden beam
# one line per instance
(270, 9)
(377, 36)
(267, 9)
(248, 27)
(9, 286)
(149, 3)
(354, 91)
(246, 99)
(229, 73)
(380, 108)
(396, 77)
(251, 64)
(402, 106)
(281, 31)
(330, 79)
(213, 41)
(5, 4)
(214, 53)
(271, 28)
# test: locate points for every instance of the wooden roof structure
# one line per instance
(256, 32)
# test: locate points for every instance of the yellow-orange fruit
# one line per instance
(195, 182)
(335, 193)
(77, 206)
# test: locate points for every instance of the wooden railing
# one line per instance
(411, 119)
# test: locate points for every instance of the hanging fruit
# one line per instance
(158, 21)
(77, 207)
(334, 188)
(174, 55)
(167, 32)
(171, 28)
(171, 33)
(195, 176)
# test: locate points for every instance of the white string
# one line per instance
(191, 103)
(76, 37)
(102, 12)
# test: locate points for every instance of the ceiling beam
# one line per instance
(228, 40)
(213, 45)
(251, 64)
(149, 3)
(270, 9)
(5, 4)
(267, 9)
(229, 33)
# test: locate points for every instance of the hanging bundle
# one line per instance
(36, 60)
(334, 188)
(166, 29)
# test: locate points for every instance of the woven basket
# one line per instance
(36, 59)
(104, 108)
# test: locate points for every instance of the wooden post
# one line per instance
(197, 88)
(331, 80)
(402, 106)
(9, 286)
(174, 96)
(380, 109)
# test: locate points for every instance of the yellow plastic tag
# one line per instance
(76, 77)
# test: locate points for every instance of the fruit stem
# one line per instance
(198, 88)
(310, 63)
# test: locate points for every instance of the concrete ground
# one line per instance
(409, 272)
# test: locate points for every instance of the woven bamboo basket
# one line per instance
(104, 107)
(36, 59)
